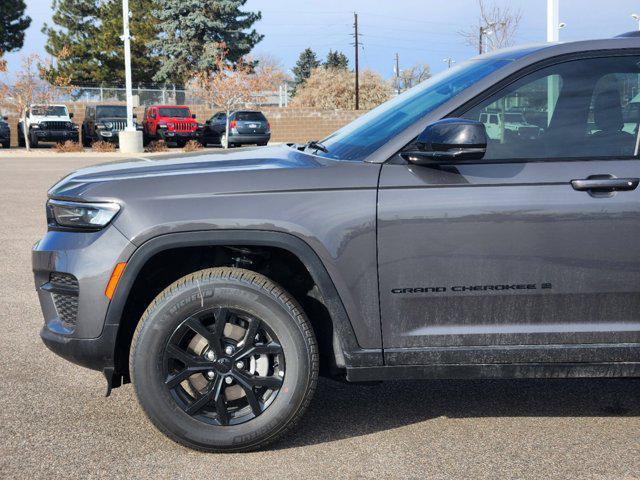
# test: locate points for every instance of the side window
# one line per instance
(580, 108)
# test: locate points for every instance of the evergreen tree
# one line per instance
(13, 23)
(193, 28)
(72, 41)
(145, 60)
(87, 45)
(304, 66)
(337, 60)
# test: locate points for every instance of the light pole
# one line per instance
(636, 17)
(449, 61)
(130, 139)
(483, 31)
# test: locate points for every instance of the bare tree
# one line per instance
(270, 68)
(229, 86)
(497, 27)
(28, 87)
(333, 88)
(410, 77)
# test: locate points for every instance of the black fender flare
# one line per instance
(352, 355)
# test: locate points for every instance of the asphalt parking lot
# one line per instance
(56, 423)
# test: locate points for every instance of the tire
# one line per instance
(223, 141)
(6, 145)
(284, 342)
(86, 139)
(21, 142)
(33, 142)
(262, 144)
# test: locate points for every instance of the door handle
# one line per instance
(605, 183)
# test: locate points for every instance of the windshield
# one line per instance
(174, 112)
(115, 111)
(51, 111)
(365, 135)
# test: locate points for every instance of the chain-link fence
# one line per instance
(160, 96)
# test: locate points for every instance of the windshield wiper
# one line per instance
(316, 146)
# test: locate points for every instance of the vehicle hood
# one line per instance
(49, 118)
(277, 168)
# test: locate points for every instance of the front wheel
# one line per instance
(224, 360)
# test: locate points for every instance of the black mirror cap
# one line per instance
(135, 115)
(70, 114)
(449, 140)
(193, 115)
(5, 118)
(452, 133)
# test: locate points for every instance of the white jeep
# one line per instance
(47, 123)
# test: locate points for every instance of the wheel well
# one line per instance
(278, 264)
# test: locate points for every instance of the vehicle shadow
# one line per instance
(350, 410)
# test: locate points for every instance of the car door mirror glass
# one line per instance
(450, 140)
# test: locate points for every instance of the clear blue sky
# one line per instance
(421, 31)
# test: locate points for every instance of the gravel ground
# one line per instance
(56, 423)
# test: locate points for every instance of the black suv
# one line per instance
(412, 243)
(5, 132)
(104, 122)
(245, 128)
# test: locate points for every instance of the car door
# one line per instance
(531, 254)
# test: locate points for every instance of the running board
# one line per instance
(492, 371)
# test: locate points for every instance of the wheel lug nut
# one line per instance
(228, 380)
(210, 355)
(229, 350)
(239, 365)
(210, 374)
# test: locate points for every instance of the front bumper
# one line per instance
(249, 138)
(174, 136)
(55, 135)
(90, 257)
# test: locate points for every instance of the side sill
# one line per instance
(494, 371)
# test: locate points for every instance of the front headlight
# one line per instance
(108, 125)
(80, 215)
(34, 125)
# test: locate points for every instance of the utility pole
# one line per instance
(636, 17)
(355, 26)
(553, 20)
(480, 40)
(449, 61)
(398, 73)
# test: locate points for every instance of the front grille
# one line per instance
(184, 126)
(54, 125)
(119, 125)
(65, 292)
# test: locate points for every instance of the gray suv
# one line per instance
(408, 244)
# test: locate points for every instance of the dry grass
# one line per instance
(102, 146)
(68, 147)
(157, 146)
(192, 146)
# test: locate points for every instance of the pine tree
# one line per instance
(13, 23)
(145, 61)
(72, 41)
(193, 29)
(337, 60)
(87, 43)
(304, 66)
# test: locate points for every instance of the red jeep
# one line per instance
(170, 123)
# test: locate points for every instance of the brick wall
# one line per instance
(287, 124)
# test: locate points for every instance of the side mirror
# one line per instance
(208, 122)
(135, 115)
(71, 115)
(451, 140)
(5, 118)
(193, 115)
